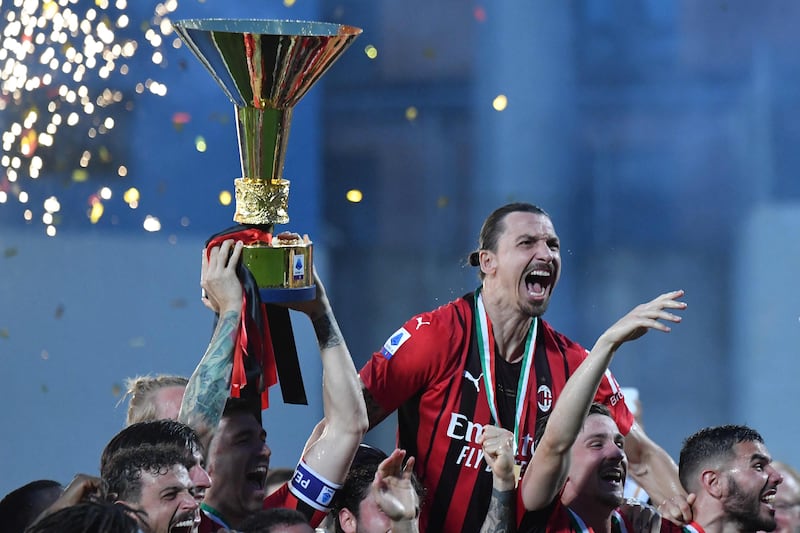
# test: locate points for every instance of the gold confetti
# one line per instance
(354, 196)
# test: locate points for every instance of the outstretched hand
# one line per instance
(393, 489)
(643, 318)
(222, 290)
(498, 451)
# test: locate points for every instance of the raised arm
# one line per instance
(546, 474)
(331, 447)
(209, 385)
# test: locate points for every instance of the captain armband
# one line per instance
(312, 488)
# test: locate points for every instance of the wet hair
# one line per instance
(88, 517)
(266, 520)
(170, 432)
(235, 406)
(142, 389)
(124, 469)
(357, 484)
(494, 225)
(20, 507)
(710, 445)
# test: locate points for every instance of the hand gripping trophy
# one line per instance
(265, 67)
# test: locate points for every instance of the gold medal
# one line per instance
(517, 474)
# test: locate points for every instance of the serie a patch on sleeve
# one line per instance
(312, 488)
(394, 342)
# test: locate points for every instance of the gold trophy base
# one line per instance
(283, 272)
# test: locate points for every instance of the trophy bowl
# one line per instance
(265, 67)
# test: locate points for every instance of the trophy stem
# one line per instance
(263, 136)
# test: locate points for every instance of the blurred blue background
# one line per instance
(661, 137)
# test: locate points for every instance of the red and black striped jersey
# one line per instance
(430, 372)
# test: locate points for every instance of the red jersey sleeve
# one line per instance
(413, 355)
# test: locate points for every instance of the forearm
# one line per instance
(343, 403)
(209, 385)
(574, 401)
(652, 467)
(501, 516)
(345, 419)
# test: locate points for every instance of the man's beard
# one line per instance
(746, 509)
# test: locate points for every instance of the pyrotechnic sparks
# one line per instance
(65, 75)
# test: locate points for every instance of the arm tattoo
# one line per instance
(500, 518)
(375, 413)
(327, 330)
(209, 386)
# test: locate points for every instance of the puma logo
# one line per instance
(420, 323)
(475, 381)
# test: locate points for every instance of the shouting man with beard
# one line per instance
(730, 471)
(489, 358)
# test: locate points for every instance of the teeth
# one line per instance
(770, 498)
(542, 273)
(261, 470)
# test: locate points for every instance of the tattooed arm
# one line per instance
(498, 450)
(209, 386)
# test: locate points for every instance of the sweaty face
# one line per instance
(527, 263)
(752, 485)
(167, 499)
(168, 402)
(238, 461)
(598, 466)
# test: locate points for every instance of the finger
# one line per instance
(233, 261)
(408, 469)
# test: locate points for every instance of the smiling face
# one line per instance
(750, 484)
(598, 467)
(524, 269)
(238, 461)
(166, 497)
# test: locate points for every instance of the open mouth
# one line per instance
(615, 476)
(257, 477)
(769, 498)
(538, 280)
(187, 524)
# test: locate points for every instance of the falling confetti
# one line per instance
(10, 252)
(116, 389)
(59, 311)
(4, 333)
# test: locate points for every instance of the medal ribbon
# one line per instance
(487, 357)
(578, 525)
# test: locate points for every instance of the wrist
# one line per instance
(504, 484)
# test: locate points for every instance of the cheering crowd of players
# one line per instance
(478, 385)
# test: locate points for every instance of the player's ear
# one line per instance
(347, 520)
(487, 261)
